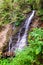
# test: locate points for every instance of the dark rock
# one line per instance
(8, 54)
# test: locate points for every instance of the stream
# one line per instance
(19, 41)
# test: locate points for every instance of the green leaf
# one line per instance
(38, 50)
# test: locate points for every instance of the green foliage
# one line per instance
(19, 20)
(6, 12)
(34, 3)
(41, 18)
(32, 54)
(40, 14)
(10, 9)
(36, 40)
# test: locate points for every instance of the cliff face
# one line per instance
(5, 36)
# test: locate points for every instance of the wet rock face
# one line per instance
(36, 23)
(5, 36)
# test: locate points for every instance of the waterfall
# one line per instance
(22, 41)
(10, 43)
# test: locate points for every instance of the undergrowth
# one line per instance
(12, 10)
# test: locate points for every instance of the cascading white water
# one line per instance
(10, 43)
(21, 42)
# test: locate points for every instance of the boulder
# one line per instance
(8, 54)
